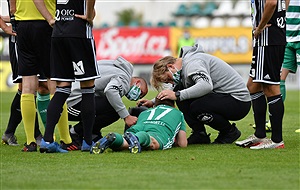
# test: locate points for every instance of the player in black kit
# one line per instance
(73, 58)
(268, 18)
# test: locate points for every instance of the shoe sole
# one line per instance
(72, 148)
(278, 147)
(247, 145)
(69, 147)
(46, 150)
(134, 148)
(99, 149)
(9, 144)
(25, 149)
(52, 149)
(95, 148)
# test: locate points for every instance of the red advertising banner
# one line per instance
(137, 45)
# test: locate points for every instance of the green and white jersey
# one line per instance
(293, 21)
(162, 122)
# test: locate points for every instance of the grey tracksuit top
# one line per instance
(203, 73)
(114, 84)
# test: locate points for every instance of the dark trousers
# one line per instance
(215, 110)
(105, 115)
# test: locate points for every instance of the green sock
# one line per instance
(118, 142)
(282, 89)
(42, 105)
(144, 138)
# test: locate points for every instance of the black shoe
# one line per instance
(199, 138)
(10, 139)
(76, 139)
(32, 147)
(70, 147)
(228, 138)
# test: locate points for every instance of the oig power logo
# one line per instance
(64, 14)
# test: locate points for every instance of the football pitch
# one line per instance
(194, 167)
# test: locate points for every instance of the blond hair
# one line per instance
(159, 68)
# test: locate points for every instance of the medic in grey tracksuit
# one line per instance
(211, 93)
(109, 90)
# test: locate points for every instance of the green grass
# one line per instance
(194, 167)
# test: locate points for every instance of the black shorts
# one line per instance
(266, 64)
(34, 41)
(14, 60)
(73, 59)
(13, 53)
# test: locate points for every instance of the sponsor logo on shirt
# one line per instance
(64, 15)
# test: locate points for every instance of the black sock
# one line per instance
(15, 114)
(259, 107)
(54, 111)
(276, 110)
(88, 113)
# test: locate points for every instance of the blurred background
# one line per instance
(144, 31)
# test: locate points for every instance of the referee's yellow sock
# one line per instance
(63, 126)
(28, 111)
